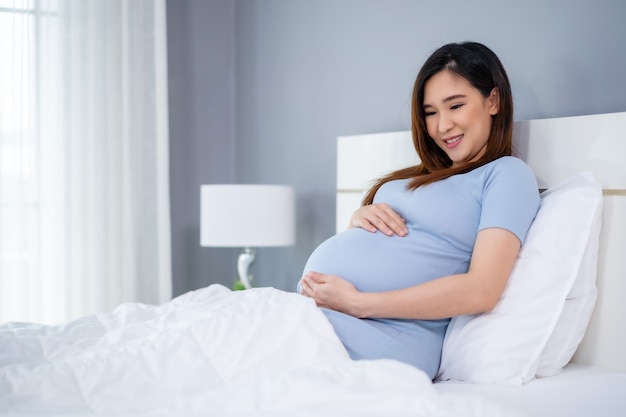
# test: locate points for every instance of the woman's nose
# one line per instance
(445, 123)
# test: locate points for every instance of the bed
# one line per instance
(266, 352)
(547, 366)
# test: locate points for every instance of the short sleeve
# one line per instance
(510, 197)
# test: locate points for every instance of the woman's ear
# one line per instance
(493, 101)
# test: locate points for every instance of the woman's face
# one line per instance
(458, 117)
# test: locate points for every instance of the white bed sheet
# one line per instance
(578, 391)
(261, 352)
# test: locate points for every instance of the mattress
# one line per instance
(579, 390)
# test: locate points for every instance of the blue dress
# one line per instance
(443, 219)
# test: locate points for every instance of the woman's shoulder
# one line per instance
(510, 169)
(511, 164)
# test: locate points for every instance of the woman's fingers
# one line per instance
(305, 287)
(330, 291)
(308, 281)
(393, 220)
(379, 217)
(308, 291)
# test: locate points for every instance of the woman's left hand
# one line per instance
(332, 292)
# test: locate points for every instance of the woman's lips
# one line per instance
(453, 141)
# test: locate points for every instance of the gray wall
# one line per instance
(292, 75)
(201, 73)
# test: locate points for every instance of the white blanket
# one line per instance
(260, 352)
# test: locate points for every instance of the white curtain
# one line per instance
(84, 197)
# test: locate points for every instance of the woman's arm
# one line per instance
(476, 291)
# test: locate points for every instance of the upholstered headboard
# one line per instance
(555, 149)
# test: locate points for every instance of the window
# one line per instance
(84, 191)
(17, 35)
(23, 24)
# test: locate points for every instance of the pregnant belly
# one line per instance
(376, 262)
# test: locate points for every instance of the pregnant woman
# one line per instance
(438, 239)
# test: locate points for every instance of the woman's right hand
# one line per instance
(380, 217)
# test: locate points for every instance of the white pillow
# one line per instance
(579, 303)
(545, 308)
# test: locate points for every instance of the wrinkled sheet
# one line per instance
(213, 352)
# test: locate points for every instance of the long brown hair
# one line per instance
(484, 71)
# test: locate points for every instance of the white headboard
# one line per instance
(555, 149)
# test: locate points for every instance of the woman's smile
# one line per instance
(453, 141)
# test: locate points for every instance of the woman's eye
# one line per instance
(429, 113)
(456, 106)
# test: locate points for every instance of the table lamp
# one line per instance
(246, 216)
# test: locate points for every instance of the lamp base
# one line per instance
(246, 257)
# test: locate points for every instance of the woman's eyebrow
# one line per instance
(447, 99)
(454, 97)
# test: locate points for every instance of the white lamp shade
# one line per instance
(247, 215)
